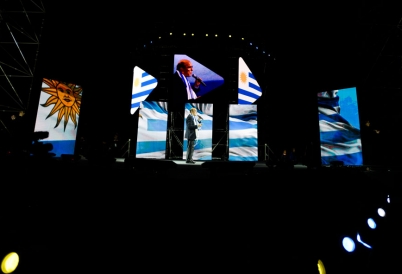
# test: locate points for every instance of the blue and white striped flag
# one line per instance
(152, 130)
(249, 90)
(143, 85)
(243, 133)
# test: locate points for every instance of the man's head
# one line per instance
(185, 67)
(193, 111)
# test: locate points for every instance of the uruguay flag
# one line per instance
(249, 90)
(143, 85)
(243, 133)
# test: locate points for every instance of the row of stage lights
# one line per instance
(256, 47)
(371, 223)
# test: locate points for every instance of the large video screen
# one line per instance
(339, 127)
(152, 130)
(58, 113)
(203, 147)
(243, 133)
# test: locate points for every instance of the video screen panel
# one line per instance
(339, 126)
(243, 133)
(203, 147)
(152, 129)
(58, 113)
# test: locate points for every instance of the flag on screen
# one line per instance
(143, 85)
(249, 90)
(243, 133)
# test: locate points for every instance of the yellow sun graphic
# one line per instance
(243, 77)
(66, 99)
(137, 82)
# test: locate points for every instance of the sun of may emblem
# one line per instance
(243, 77)
(66, 99)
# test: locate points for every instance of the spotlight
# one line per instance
(321, 267)
(371, 223)
(10, 262)
(381, 212)
(348, 244)
(359, 239)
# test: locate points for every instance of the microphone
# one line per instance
(197, 78)
(199, 117)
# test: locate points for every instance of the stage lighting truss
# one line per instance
(21, 24)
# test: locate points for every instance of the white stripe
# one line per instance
(155, 155)
(342, 148)
(246, 98)
(243, 151)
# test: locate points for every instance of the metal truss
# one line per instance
(21, 24)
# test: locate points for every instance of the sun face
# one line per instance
(243, 77)
(66, 99)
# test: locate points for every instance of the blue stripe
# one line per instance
(251, 75)
(154, 106)
(254, 86)
(201, 144)
(149, 82)
(348, 159)
(136, 95)
(241, 125)
(249, 94)
(243, 142)
(144, 74)
(157, 125)
(150, 146)
(245, 117)
(61, 147)
(135, 105)
(243, 158)
(331, 137)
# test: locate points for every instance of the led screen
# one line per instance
(339, 127)
(243, 137)
(203, 147)
(152, 129)
(58, 113)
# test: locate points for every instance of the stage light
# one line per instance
(348, 244)
(230, 36)
(184, 34)
(371, 223)
(206, 34)
(192, 34)
(359, 239)
(321, 267)
(388, 199)
(171, 33)
(10, 262)
(242, 38)
(216, 35)
(381, 212)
